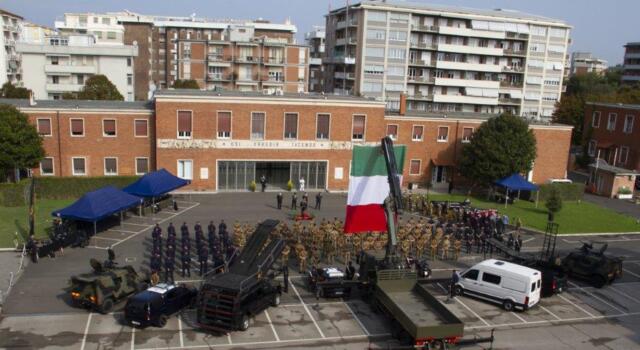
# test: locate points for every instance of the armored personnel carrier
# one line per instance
(100, 289)
(593, 265)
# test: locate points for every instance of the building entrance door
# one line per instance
(277, 173)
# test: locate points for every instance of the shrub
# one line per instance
(554, 201)
(252, 185)
(624, 190)
(567, 192)
(289, 185)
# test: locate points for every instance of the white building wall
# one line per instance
(35, 78)
(3, 60)
(115, 68)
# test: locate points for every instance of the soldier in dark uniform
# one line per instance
(279, 200)
(203, 256)
(318, 200)
(156, 263)
(199, 240)
(169, 265)
(186, 262)
(197, 227)
(222, 227)
(211, 229)
(171, 230)
(157, 232)
(171, 241)
(184, 229)
(294, 201)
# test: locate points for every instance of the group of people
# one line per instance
(213, 248)
(304, 201)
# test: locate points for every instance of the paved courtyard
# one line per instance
(37, 314)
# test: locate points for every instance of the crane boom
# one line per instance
(393, 203)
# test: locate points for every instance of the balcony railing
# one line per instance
(510, 69)
(512, 35)
(421, 97)
(421, 79)
(274, 60)
(505, 100)
(424, 28)
(432, 46)
(248, 59)
(218, 77)
(421, 63)
(505, 83)
(515, 52)
(215, 57)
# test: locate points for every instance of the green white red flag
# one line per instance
(368, 188)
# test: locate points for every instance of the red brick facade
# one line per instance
(614, 135)
(187, 131)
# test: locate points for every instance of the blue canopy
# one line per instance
(516, 182)
(155, 184)
(98, 204)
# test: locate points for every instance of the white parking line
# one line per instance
(229, 338)
(576, 305)
(549, 312)
(180, 330)
(86, 331)
(133, 338)
(518, 317)
(131, 223)
(106, 238)
(573, 319)
(596, 297)
(357, 319)
(631, 273)
(122, 231)
(473, 312)
(271, 324)
(528, 240)
(307, 310)
(624, 294)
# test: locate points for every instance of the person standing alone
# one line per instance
(279, 200)
(263, 182)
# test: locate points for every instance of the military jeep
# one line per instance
(101, 289)
(593, 265)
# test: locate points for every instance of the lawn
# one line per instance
(583, 217)
(16, 219)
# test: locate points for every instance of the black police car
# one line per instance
(154, 305)
(328, 282)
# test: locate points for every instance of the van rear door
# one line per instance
(534, 288)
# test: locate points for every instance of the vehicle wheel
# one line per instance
(162, 321)
(457, 290)
(244, 324)
(276, 300)
(508, 305)
(107, 305)
(598, 281)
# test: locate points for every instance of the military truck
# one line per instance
(100, 289)
(593, 265)
(227, 301)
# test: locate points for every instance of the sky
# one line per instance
(600, 27)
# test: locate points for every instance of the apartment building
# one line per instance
(315, 41)
(103, 26)
(585, 62)
(63, 63)
(10, 68)
(631, 65)
(36, 34)
(447, 59)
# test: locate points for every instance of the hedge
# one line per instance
(568, 192)
(13, 195)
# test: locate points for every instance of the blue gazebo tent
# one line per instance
(98, 205)
(515, 182)
(155, 184)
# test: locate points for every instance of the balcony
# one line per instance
(510, 84)
(520, 36)
(466, 99)
(478, 67)
(68, 69)
(274, 61)
(421, 97)
(50, 87)
(511, 69)
(421, 63)
(9, 42)
(343, 75)
(345, 41)
(632, 55)
(343, 60)
(512, 52)
(485, 84)
(314, 61)
(427, 46)
(343, 24)
(248, 59)
(250, 80)
(631, 66)
(276, 80)
(509, 101)
(218, 77)
(424, 28)
(477, 50)
(475, 33)
(411, 79)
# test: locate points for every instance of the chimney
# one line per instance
(403, 103)
(32, 101)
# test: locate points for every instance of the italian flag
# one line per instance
(368, 188)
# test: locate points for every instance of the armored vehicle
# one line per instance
(101, 289)
(593, 265)
(328, 282)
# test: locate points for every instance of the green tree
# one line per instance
(98, 87)
(19, 141)
(500, 147)
(570, 111)
(553, 202)
(186, 84)
(9, 90)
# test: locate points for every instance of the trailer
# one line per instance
(416, 315)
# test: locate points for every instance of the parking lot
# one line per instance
(582, 317)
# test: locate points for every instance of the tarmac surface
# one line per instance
(37, 314)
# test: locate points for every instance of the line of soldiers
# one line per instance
(215, 247)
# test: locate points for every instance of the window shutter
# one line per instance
(392, 130)
(290, 125)
(257, 124)
(224, 122)
(323, 126)
(109, 127)
(184, 121)
(417, 132)
(358, 125)
(77, 126)
(141, 128)
(44, 127)
(415, 167)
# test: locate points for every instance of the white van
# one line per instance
(505, 283)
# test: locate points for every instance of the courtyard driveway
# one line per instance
(618, 205)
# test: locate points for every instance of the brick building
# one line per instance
(612, 134)
(223, 140)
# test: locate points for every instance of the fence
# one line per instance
(13, 277)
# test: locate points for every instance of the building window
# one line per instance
(46, 166)
(392, 131)
(628, 123)
(224, 125)
(376, 34)
(111, 35)
(624, 154)
(416, 134)
(593, 144)
(109, 127)
(129, 79)
(466, 135)
(596, 119)
(142, 166)
(110, 166)
(185, 169)
(443, 134)
(257, 125)
(322, 126)
(55, 60)
(611, 123)
(44, 127)
(78, 166)
(357, 128)
(184, 124)
(129, 61)
(291, 126)
(141, 128)
(55, 79)
(77, 127)
(414, 168)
